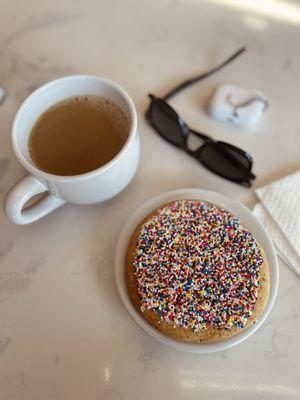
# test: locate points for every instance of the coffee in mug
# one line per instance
(77, 139)
(78, 135)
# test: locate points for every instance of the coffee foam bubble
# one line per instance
(120, 119)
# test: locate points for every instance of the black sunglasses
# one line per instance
(222, 158)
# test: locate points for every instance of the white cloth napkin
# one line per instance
(279, 211)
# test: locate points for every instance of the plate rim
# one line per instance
(236, 208)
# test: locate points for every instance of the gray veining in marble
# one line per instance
(4, 343)
(4, 164)
(15, 278)
(39, 22)
(2, 94)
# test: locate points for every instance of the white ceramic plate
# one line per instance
(248, 220)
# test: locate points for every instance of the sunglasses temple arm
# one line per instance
(204, 75)
(202, 136)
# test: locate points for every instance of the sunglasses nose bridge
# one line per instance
(185, 129)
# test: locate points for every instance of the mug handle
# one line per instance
(23, 191)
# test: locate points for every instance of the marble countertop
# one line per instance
(64, 333)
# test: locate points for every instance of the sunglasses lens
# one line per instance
(167, 123)
(225, 160)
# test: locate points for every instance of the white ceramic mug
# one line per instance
(91, 187)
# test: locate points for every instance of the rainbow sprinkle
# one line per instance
(196, 266)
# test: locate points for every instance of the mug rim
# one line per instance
(65, 178)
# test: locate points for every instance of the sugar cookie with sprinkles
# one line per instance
(195, 273)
